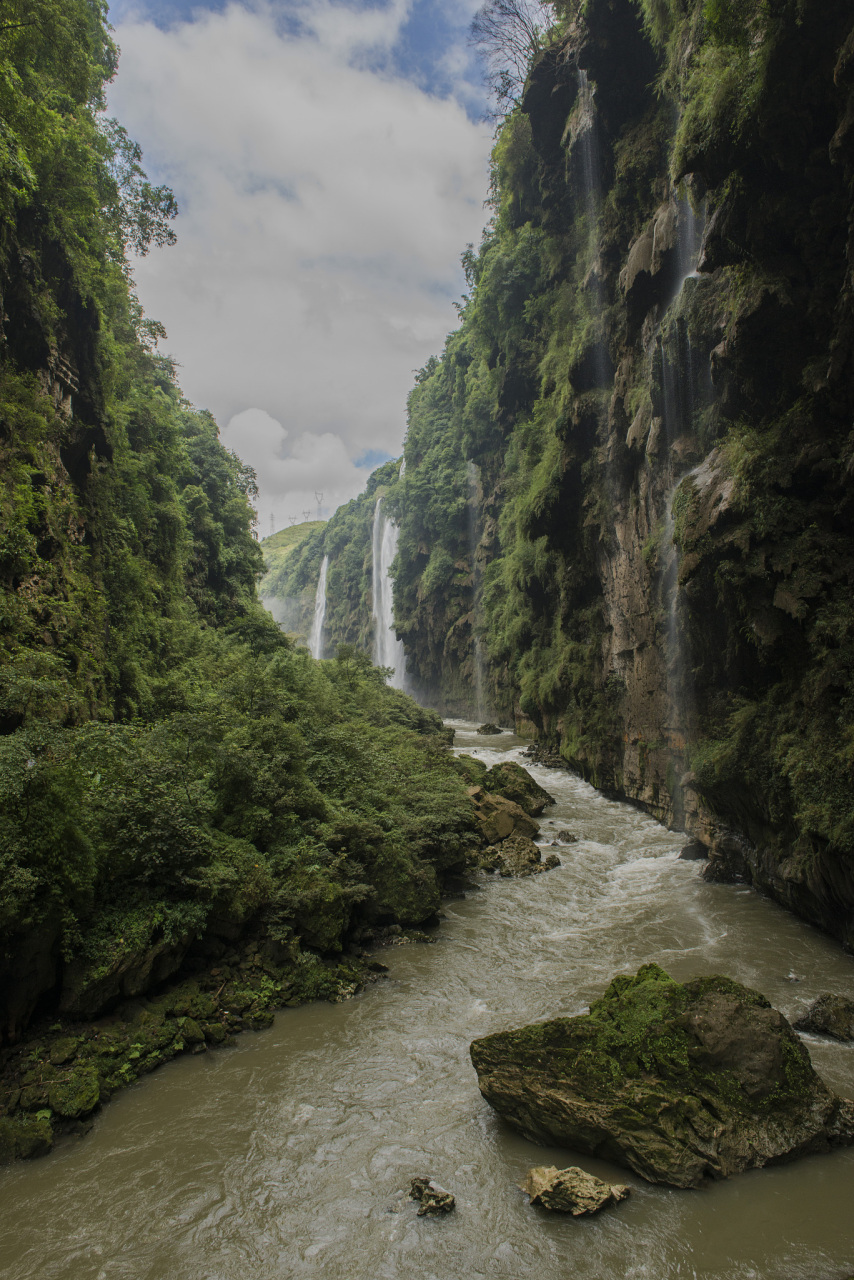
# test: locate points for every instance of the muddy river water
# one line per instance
(288, 1154)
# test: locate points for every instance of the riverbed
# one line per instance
(289, 1154)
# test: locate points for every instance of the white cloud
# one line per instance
(296, 476)
(323, 210)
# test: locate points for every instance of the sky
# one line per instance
(330, 162)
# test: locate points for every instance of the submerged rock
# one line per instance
(829, 1015)
(434, 1199)
(680, 1082)
(571, 1190)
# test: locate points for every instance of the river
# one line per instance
(288, 1155)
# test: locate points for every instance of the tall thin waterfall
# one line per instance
(315, 636)
(681, 398)
(477, 645)
(388, 650)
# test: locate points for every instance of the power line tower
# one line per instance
(272, 523)
(319, 497)
(306, 515)
(292, 520)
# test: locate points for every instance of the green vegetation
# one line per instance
(175, 776)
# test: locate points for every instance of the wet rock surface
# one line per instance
(510, 780)
(499, 817)
(489, 729)
(830, 1015)
(680, 1082)
(516, 856)
(571, 1190)
(434, 1200)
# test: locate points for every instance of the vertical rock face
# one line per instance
(654, 386)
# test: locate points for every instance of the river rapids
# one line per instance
(288, 1155)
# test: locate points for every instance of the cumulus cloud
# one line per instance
(325, 200)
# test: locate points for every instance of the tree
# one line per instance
(509, 34)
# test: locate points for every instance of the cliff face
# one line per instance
(626, 509)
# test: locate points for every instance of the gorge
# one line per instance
(625, 520)
(621, 527)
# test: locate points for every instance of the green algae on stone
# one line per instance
(24, 1136)
(679, 1082)
(76, 1096)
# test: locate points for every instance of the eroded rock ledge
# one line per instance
(680, 1082)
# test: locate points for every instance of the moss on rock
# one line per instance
(680, 1082)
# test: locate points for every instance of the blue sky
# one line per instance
(419, 53)
(330, 161)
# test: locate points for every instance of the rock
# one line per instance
(488, 728)
(515, 783)
(566, 837)
(693, 852)
(571, 1190)
(23, 1137)
(63, 1050)
(76, 1096)
(829, 1015)
(680, 1082)
(500, 818)
(434, 1199)
(516, 856)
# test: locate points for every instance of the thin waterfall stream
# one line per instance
(289, 1154)
(315, 636)
(388, 650)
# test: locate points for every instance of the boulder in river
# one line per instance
(680, 1082)
(516, 856)
(829, 1015)
(571, 1190)
(510, 780)
(434, 1199)
(489, 729)
(499, 817)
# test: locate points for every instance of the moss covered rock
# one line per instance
(680, 1082)
(24, 1136)
(77, 1095)
(510, 780)
(499, 817)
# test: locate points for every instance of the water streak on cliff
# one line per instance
(315, 636)
(388, 650)
(477, 643)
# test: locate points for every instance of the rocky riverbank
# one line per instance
(66, 1067)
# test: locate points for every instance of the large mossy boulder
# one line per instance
(510, 780)
(680, 1082)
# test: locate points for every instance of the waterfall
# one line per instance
(315, 636)
(388, 650)
(591, 178)
(477, 645)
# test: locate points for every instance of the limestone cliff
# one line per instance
(626, 508)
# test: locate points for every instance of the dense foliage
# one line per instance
(171, 768)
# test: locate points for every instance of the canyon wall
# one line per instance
(625, 515)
